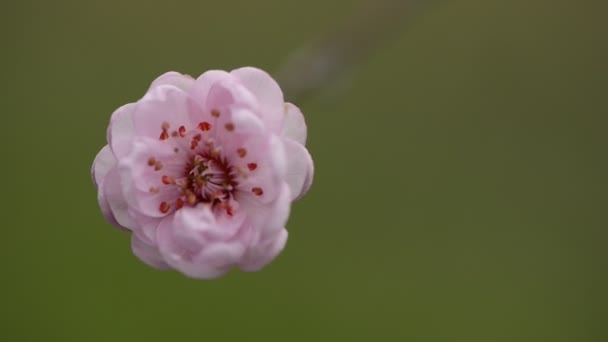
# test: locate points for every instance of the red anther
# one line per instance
(181, 131)
(164, 207)
(204, 126)
(241, 152)
(197, 137)
(257, 191)
(215, 113)
(179, 203)
(190, 197)
(164, 135)
(252, 166)
(168, 180)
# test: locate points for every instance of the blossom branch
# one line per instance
(313, 66)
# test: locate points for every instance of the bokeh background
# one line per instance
(460, 190)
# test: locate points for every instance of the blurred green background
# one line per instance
(460, 190)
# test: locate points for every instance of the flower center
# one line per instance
(207, 176)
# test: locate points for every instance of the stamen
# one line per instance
(181, 131)
(204, 126)
(168, 180)
(229, 127)
(241, 152)
(165, 126)
(164, 135)
(158, 166)
(257, 191)
(164, 207)
(215, 113)
(179, 203)
(252, 166)
(151, 161)
(190, 197)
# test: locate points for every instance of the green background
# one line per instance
(460, 191)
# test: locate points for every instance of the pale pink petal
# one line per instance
(150, 160)
(112, 193)
(105, 207)
(300, 168)
(184, 82)
(103, 163)
(267, 92)
(268, 154)
(163, 110)
(204, 82)
(184, 246)
(146, 191)
(229, 92)
(268, 218)
(148, 254)
(294, 126)
(121, 130)
(263, 252)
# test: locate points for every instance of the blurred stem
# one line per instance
(312, 67)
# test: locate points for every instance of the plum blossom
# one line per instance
(203, 171)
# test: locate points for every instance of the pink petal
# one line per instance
(164, 106)
(148, 254)
(268, 153)
(104, 206)
(267, 218)
(103, 163)
(263, 252)
(300, 168)
(204, 82)
(184, 246)
(184, 82)
(145, 189)
(294, 126)
(112, 193)
(268, 94)
(121, 130)
(228, 92)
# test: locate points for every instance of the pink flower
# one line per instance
(203, 171)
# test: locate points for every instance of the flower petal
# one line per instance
(163, 110)
(268, 218)
(121, 130)
(268, 94)
(184, 82)
(112, 193)
(144, 170)
(263, 252)
(148, 254)
(104, 206)
(183, 244)
(204, 82)
(103, 163)
(300, 168)
(294, 126)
